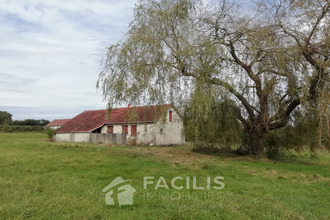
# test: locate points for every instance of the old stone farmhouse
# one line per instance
(146, 125)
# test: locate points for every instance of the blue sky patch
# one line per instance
(20, 24)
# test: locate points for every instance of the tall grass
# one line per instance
(48, 180)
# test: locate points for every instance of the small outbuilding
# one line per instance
(146, 125)
(56, 124)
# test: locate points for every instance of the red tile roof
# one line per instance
(57, 122)
(90, 120)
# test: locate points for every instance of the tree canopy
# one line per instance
(5, 118)
(270, 60)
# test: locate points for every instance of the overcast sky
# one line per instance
(51, 53)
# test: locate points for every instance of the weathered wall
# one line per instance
(62, 137)
(117, 129)
(146, 134)
(169, 133)
(81, 137)
(119, 139)
(72, 137)
(95, 138)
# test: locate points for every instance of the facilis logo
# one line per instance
(183, 188)
(125, 192)
(187, 182)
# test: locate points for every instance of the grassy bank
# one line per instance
(47, 180)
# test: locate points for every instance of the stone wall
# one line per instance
(119, 139)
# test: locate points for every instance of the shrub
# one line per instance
(50, 133)
(6, 128)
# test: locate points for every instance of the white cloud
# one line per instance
(51, 53)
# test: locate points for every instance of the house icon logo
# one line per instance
(124, 192)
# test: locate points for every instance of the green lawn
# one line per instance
(47, 180)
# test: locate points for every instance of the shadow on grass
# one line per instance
(304, 157)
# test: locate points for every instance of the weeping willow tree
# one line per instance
(185, 51)
(305, 25)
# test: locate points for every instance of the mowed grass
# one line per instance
(47, 180)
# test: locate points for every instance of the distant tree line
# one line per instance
(30, 122)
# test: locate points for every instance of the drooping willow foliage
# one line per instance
(213, 124)
(268, 60)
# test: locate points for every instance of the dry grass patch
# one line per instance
(290, 176)
(174, 155)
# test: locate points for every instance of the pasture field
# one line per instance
(47, 180)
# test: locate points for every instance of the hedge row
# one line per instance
(6, 128)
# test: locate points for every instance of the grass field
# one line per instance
(47, 180)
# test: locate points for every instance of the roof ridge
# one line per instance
(128, 107)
